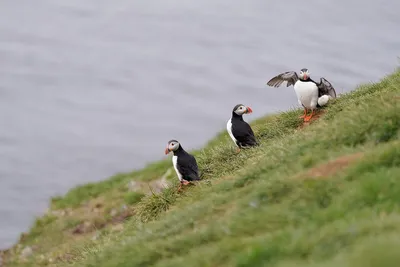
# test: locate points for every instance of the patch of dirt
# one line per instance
(87, 227)
(332, 167)
(95, 206)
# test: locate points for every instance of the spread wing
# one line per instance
(326, 88)
(188, 168)
(290, 77)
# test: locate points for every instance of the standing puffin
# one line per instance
(310, 94)
(184, 164)
(239, 130)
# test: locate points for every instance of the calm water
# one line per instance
(91, 88)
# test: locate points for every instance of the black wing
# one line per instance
(290, 77)
(187, 166)
(244, 134)
(325, 88)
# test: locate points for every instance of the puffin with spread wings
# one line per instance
(310, 94)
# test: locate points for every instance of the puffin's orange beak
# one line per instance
(249, 110)
(305, 76)
(167, 151)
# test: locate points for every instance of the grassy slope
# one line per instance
(322, 195)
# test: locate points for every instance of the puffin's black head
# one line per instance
(173, 145)
(304, 74)
(240, 109)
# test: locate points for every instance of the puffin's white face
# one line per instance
(173, 145)
(304, 74)
(241, 109)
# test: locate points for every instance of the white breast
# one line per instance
(229, 129)
(307, 93)
(175, 163)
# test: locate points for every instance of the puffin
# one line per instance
(239, 130)
(310, 94)
(184, 164)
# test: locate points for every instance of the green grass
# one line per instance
(327, 194)
(133, 197)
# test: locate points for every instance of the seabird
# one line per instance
(239, 130)
(184, 164)
(310, 94)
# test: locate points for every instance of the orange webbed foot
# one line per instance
(304, 115)
(308, 118)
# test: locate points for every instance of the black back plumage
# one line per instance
(242, 131)
(186, 164)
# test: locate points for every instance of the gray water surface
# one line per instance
(90, 88)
